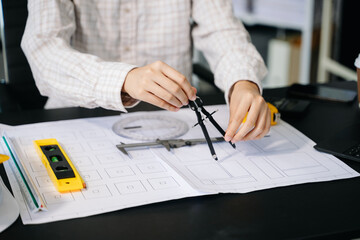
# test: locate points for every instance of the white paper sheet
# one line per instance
(116, 181)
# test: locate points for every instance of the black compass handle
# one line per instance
(206, 134)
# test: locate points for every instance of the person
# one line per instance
(113, 54)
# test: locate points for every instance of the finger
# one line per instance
(267, 127)
(248, 125)
(194, 89)
(260, 126)
(237, 114)
(180, 79)
(172, 88)
(162, 93)
(155, 100)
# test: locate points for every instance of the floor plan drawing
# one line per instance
(116, 181)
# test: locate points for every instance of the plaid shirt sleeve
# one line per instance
(62, 72)
(80, 52)
(225, 44)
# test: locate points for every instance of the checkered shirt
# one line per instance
(80, 51)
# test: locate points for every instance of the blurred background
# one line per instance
(301, 41)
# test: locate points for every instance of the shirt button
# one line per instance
(127, 49)
(127, 10)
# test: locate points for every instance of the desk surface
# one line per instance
(315, 210)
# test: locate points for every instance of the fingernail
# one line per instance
(193, 98)
(227, 138)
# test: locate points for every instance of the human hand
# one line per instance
(245, 98)
(159, 84)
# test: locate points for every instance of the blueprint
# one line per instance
(116, 181)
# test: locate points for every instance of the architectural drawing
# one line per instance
(148, 175)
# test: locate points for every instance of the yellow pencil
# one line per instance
(3, 158)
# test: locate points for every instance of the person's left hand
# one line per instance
(245, 98)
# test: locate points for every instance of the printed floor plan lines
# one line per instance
(147, 175)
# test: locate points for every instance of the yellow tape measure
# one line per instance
(58, 165)
(275, 115)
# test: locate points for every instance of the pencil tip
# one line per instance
(215, 157)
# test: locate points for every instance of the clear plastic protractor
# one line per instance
(150, 127)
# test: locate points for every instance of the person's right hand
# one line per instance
(160, 85)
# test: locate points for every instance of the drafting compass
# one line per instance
(163, 130)
(198, 107)
(150, 127)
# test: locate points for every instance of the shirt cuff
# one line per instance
(109, 85)
(128, 101)
(233, 68)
